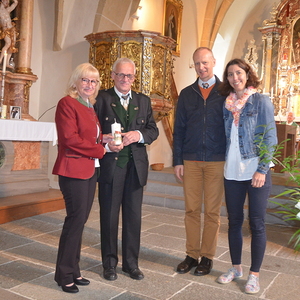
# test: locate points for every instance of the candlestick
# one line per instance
(2, 85)
(4, 62)
(272, 93)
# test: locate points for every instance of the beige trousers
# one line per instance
(203, 184)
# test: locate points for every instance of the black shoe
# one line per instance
(204, 266)
(81, 281)
(70, 289)
(186, 265)
(136, 274)
(110, 273)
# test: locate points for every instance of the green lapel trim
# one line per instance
(121, 112)
(79, 99)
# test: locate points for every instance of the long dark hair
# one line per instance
(225, 87)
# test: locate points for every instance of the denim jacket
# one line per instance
(256, 126)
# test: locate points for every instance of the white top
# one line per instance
(97, 164)
(235, 168)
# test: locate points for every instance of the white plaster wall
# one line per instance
(249, 30)
(149, 17)
(229, 30)
(237, 29)
(53, 68)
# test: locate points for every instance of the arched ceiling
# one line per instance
(227, 33)
(220, 17)
(101, 14)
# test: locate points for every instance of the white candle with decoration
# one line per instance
(116, 132)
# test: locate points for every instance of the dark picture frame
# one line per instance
(15, 112)
(172, 22)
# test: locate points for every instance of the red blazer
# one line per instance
(76, 126)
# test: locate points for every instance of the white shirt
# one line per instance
(97, 163)
(120, 95)
(235, 168)
(211, 81)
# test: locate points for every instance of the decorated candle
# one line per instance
(116, 132)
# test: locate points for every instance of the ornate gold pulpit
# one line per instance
(152, 55)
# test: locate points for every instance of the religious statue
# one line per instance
(8, 30)
(172, 26)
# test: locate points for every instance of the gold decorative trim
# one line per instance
(146, 74)
(24, 70)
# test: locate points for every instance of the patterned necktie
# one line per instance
(125, 101)
(205, 85)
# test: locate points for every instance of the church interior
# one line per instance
(51, 38)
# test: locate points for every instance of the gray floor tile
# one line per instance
(28, 250)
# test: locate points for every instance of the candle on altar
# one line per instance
(4, 111)
(271, 93)
(4, 62)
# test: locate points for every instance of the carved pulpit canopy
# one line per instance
(152, 55)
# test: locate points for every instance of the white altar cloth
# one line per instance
(18, 130)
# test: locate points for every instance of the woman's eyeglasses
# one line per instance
(87, 81)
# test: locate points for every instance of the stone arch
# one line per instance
(212, 21)
(109, 15)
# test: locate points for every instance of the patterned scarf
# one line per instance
(236, 105)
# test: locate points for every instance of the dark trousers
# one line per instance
(235, 195)
(126, 192)
(78, 195)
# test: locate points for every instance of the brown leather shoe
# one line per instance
(186, 265)
(204, 266)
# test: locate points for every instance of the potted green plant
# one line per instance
(291, 165)
(291, 209)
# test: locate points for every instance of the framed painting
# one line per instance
(15, 112)
(172, 22)
(296, 41)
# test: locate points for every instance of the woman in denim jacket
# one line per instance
(250, 140)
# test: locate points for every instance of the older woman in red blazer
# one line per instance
(79, 148)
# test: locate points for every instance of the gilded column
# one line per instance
(146, 75)
(25, 37)
(271, 33)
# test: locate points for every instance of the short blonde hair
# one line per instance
(82, 71)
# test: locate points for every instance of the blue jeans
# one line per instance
(235, 195)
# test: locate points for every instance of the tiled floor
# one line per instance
(28, 250)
